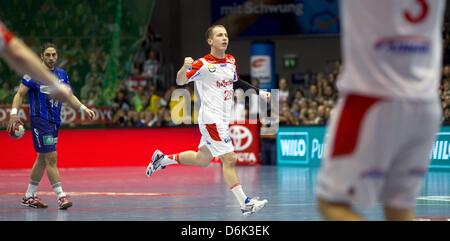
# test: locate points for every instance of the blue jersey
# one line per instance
(41, 104)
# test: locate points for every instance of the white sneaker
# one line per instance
(253, 206)
(155, 163)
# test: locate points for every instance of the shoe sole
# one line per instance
(149, 167)
(66, 206)
(256, 210)
(33, 206)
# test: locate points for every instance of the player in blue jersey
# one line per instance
(19, 57)
(45, 120)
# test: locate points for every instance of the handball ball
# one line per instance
(18, 132)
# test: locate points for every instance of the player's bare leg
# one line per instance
(159, 161)
(53, 177)
(334, 211)
(248, 205)
(37, 171)
(229, 169)
(50, 165)
(395, 214)
(201, 158)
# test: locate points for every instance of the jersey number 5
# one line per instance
(421, 16)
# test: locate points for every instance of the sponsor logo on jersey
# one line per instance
(403, 45)
(223, 83)
(211, 68)
(45, 89)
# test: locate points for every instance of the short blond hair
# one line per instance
(209, 31)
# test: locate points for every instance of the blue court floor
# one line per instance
(184, 193)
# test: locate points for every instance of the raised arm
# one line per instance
(181, 74)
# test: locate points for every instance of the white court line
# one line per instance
(97, 194)
(435, 198)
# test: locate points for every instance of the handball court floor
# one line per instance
(184, 193)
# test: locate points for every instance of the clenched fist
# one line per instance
(188, 62)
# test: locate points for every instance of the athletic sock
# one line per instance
(57, 188)
(239, 194)
(171, 159)
(32, 189)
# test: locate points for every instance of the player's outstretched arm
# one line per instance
(17, 103)
(181, 74)
(23, 60)
(75, 103)
(240, 84)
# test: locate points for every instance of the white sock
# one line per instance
(170, 160)
(239, 194)
(57, 188)
(32, 189)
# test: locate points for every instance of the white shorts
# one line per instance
(217, 138)
(377, 150)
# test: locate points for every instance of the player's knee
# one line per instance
(50, 160)
(229, 159)
(203, 161)
(41, 159)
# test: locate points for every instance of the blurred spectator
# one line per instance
(162, 118)
(286, 117)
(284, 90)
(151, 68)
(121, 102)
(6, 93)
(446, 116)
(153, 101)
(91, 85)
(93, 99)
(137, 99)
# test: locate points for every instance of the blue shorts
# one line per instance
(45, 135)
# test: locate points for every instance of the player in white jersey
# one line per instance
(24, 61)
(215, 78)
(382, 130)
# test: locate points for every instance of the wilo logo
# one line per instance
(294, 145)
(441, 147)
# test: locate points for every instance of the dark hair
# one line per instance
(46, 46)
(210, 30)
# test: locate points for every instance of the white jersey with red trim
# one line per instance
(214, 80)
(5, 36)
(392, 48)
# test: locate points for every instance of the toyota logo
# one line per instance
(68, 114)
(241, 136)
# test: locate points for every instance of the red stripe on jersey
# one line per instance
(212, 131)
(349, 124)
(229, 59)
(5, 34)
(195, 67)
